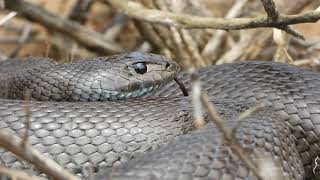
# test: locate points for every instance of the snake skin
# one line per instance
(155, 131)
(290, 91)
(98, 79)
(202, 154)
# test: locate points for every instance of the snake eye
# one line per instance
(140, 68)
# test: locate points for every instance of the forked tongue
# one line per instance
(182, 87)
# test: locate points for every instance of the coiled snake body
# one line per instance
(156, 131)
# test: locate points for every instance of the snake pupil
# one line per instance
(140, 68)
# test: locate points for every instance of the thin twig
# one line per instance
(26, 108)
(273, 15)
(293, 32)
(12, 143)
(246, 114)
(196, 100)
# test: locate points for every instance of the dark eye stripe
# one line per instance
(140, 68)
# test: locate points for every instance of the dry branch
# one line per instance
(252, 44)
(16, 174)
(136, 10)
(12, 143)
(82, 35)
(273, 15)
(270, 8)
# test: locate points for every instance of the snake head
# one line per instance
(135, 74)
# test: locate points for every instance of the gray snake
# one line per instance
(154, 137)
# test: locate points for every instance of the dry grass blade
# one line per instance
(6, 18)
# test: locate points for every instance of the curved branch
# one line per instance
(86, 37)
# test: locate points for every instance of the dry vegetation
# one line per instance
(199, 47)
(67, 30)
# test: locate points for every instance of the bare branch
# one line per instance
(293, 32)
(136, 10)
(251, 44)
(273, 14)
(270, 8)
(12, 143)
(82, 35)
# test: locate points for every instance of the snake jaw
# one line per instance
(115, 95)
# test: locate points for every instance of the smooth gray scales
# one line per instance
(156, 131)
(112, 78)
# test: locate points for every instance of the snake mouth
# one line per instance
(125, 95)
(137, 93)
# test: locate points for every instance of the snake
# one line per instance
(123, 117)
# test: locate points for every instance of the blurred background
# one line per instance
(23, 36)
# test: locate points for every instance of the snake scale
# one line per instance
(153, 137)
